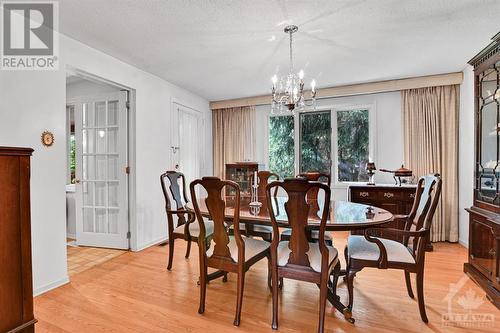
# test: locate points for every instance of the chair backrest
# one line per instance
(263, 179)
(316, 176)
(216, 206)
(298, 209)
(173, 185)
(423, 209)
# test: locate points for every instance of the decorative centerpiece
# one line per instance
(254, 201)
(370, 170)
(400, 173)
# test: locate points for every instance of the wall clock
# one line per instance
(47, 139)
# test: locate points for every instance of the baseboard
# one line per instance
(149, 244)
(463, 243)
(50, 286)
(73, 236)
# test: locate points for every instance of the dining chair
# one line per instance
(227, 253)
(369, 251)
(313, 195)
(298, 258)
(187, 229)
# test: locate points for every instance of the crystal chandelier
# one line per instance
(288, 91)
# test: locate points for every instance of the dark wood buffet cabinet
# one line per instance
(16, 289)
(396, 199)
(483, 263)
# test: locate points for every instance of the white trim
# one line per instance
(149, 244)
(50, 286)
(71, 236)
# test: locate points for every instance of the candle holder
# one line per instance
(370, 170)
(254, 201)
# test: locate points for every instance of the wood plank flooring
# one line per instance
(135, 293)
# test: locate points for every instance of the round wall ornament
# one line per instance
(47, 139)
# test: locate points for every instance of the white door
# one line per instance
(188, 137)
(101, 175)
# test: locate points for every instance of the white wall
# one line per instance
(388, 134)
(465, 154)
(32, 102)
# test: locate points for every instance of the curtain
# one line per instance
(430, 126)
(233, 136)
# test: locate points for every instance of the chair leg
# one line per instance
(408, 284)
(188, 250)
(239, 297)
(274, 277)
(335, 279)
(420, 294)
(203, 286)
(322, 303)
(350, 286)
(170, 251)
(269, 271)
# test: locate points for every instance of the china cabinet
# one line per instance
(241, 173)
(484, 216)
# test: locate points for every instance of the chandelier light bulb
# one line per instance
(301, 74)
(274, 79)
(313, 85)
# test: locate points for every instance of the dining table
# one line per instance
(343, 216)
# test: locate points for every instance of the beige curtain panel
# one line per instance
(233, 136)
(430, 127)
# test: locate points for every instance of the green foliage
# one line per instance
(281, 145)
(315, 144)
(353, 143)
(72, 157)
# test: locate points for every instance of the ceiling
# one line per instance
(229, 49)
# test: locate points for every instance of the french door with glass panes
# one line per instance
(101, 174)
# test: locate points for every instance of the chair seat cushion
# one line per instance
(253, 247)
(194, 228)
(314, 234)
(359, 248)
(313, 254)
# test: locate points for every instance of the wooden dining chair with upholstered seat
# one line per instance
(368, 251)
(315, 176)
(298, 258)
(173, 184)
(227, 253)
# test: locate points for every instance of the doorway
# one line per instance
(187, 135)
(97, 171)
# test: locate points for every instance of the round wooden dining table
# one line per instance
(344, 216)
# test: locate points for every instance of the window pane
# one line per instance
(315, 142)
(281, 145)
(353, 145)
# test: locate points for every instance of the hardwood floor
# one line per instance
(135, 293)
(81, 258)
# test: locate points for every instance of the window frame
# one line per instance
(333, 108)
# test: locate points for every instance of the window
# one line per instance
(71, 153)
(314, 136)
(281, 146)
(315, 142)
(352, 145)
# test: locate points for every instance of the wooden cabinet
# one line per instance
(484, 216)
(241, 173)
(16, 289)
(396, 199)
